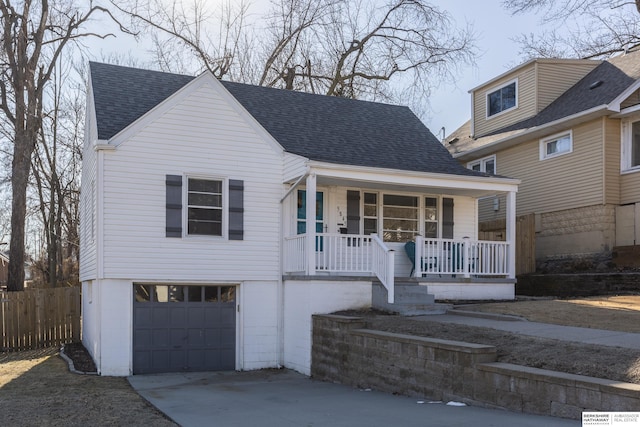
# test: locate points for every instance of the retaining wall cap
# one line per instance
(555, 377)
(460, 346)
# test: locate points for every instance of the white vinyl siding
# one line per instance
(465, 216)
(294, 167)
(88, 206)
(211, 137)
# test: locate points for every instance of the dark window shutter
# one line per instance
(236, 209)
(353, 212)
(447, 218)
(174, 206)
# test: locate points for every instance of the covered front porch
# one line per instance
(413, 227)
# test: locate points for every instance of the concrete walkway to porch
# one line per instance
(522, 326)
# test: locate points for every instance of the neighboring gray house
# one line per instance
(218, 217)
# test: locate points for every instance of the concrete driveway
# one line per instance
(285, 398)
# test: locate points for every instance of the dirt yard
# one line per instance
(36, 387)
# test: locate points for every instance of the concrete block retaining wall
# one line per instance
(344, 351)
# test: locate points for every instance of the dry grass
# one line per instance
(37, 389)
(615, 313)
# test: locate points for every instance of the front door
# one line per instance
(302, 215)
(302, 212)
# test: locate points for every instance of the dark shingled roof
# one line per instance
(328, 129)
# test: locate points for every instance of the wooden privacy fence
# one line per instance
(36, 318)
(525, 239)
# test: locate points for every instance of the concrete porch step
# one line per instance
(410, 298)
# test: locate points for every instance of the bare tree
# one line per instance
(591, 29)
(56, 176)
(392, 50)
(34, 35)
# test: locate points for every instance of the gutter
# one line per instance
(467, 155)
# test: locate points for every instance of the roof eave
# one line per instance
(536, 132)
(413, 178)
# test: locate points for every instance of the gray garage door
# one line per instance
(183, 328)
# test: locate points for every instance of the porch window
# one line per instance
(400, 217)
(204, 200)
(430, 217)
(370, 213)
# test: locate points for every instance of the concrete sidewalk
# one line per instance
(285, 398)
(543, 330)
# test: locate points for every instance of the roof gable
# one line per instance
(321, 128)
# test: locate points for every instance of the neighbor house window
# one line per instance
(487, 165)
(502, 99)
(204, 202)
(630, 145)
(556, 145)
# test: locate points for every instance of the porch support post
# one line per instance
(311, 224)
(511, 234)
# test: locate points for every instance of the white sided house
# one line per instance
(218, 217)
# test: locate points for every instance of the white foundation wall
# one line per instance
(305, 298)
(257, 344)
(90, 320)
(472, 290)
(107, 322)
(116, 317)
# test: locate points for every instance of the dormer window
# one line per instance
(502, 99)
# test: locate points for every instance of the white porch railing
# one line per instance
(461, 256)
(342, 253)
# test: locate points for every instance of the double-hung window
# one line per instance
(486, 164)
(400, 217)
(556, 145)
(204, 207)
(502, 99)
(630, 145)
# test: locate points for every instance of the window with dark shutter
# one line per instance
(353, 212)
(173, 205)
(236, 209)
(447, 218)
